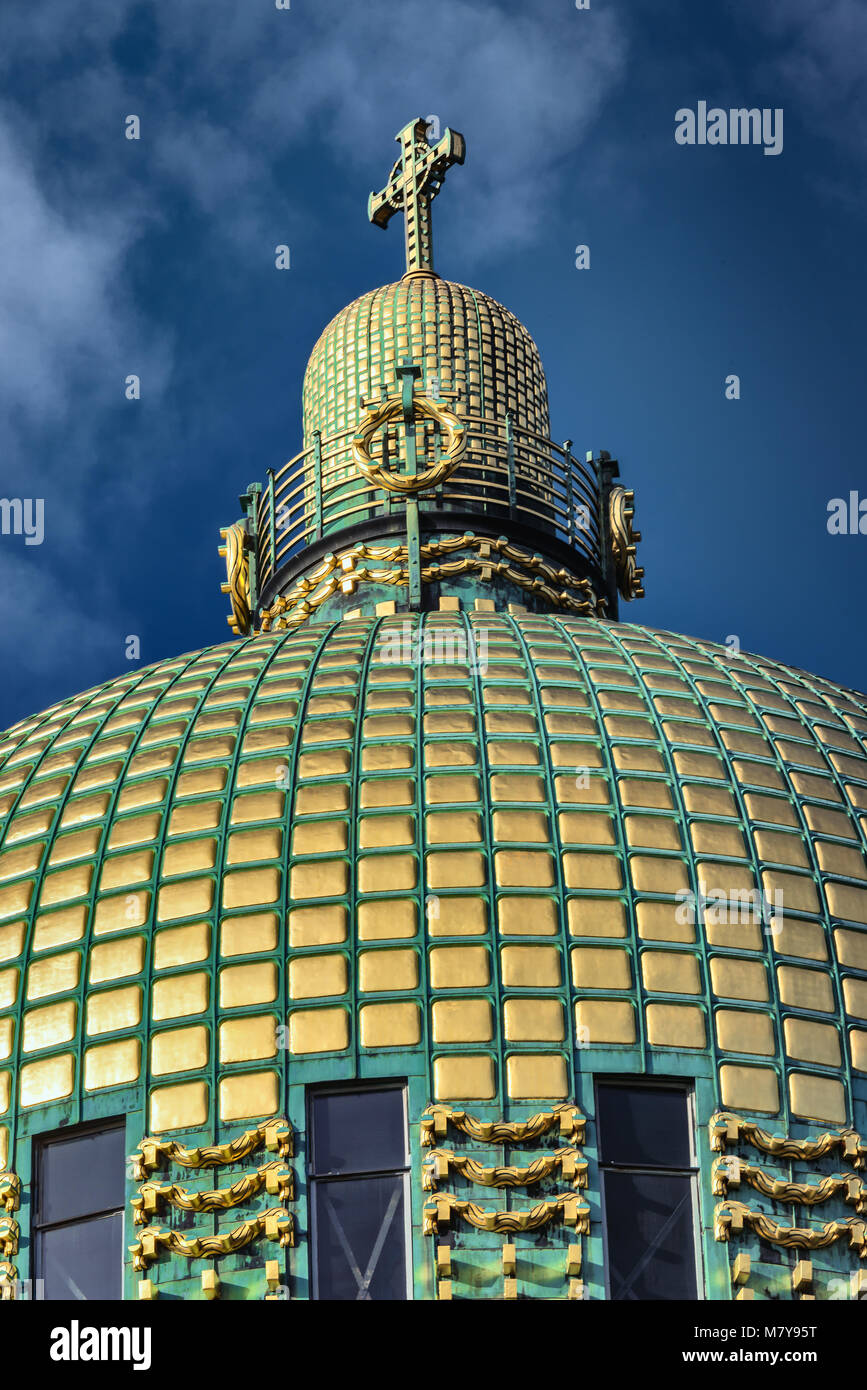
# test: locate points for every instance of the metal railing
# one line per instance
(522, 475)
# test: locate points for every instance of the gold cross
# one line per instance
(414, 182)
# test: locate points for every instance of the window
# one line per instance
(649, 1190)
(78, 1226)
(359, 1174)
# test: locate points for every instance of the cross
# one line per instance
(414, 182)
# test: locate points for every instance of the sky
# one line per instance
(263, 126)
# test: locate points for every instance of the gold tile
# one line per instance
(670, 972)
(805, 989)
(385, 919)
(851, 947)
(325, 925)
(51, 1078)
(112, 1064)
(131, 830)
(841, 859)
(600, 1021)
(522, 826)
(397, 791)
(318, 837)
(248, 1039)
(183, 1106)
(332, 762)
(727, 882)
(390, 1025)
(743, 1030)
(15, 899)
(249, 1095)
(81, 809)
(652, 832)
(776, 847)
(517, 786)
(110, 1010)
(388, 757)
(182, 945)
(733, 978)
(584, 827)
(321, 878)
(530, 967)
(456, 916)
(658, 921)
(250, 846)
(455, 869)
(318, 1030)
(12, 939)
(807, 939)
(385, 832)
(709, 837)
(123, 912)
(462, 1021)
(708, 801)
(459, 967)
(7, 1037)
(251, 888)
(60, 928)
(242, 985)
(256, 806)
(518, 916)
(27, 859)
(798, 891)
(534, 1020)
(124, 870)
(737, 936)
(847, 902)
(818, 1098)
(600, 967)
(823, 821)
(311, 977)
(858, 1046)
(464, 1078)
(592, 871)
(49, 1026)
(55, 975)
(753, 1089)
(676, 1025)
(179, 1049)
(387, 873)
(189, 856)
(188, 898)
(388, 970)
(776, 810)
(812, 1042)
(132, 797)
(530, 1076)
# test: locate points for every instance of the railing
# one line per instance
(506, 472)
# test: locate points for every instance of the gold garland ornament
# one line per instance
(564, 1161)
(276, 1135)
(344, 571)
(235, 553)
(731, 1171)
(730, 1218)
(566, 1207)
(422, 408)
(567, 1118)
(8, 1282)
(726, 1129)
(275, 1224)
(624, 539)
(274, 1177)
(10, 1233)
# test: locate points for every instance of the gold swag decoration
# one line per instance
(567, 1118)
(726, 1129)
(275, 1224)
(422, 408)
(566, 1207)
(730, 1218)
(564, 1161)
(276, 1135)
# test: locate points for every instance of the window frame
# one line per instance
(686, 1088)
(40, 1227)
(315, 1180)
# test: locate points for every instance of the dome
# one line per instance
(469, 343)
(487, 869)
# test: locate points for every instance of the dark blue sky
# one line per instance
(262, 126)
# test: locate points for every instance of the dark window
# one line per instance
(358, 1184)
(648, 1180)
(78, 1225)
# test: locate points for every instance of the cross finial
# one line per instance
(414, 182)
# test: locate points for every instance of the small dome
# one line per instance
(464, 339)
